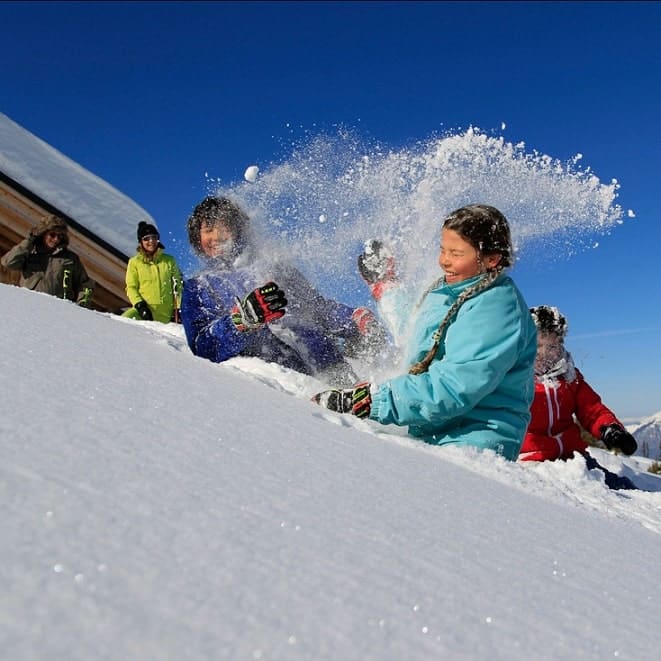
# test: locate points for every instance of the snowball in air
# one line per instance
(251, 174)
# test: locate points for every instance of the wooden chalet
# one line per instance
(21, 209)
(36, 180)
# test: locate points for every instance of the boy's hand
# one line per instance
(357, 400)
(370, 339)
(376, 265)
(259, 307)
(616, 438)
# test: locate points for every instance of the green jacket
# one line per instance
(157, 282)
(59, 273)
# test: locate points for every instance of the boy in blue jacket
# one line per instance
(247, 304)
(471, 349)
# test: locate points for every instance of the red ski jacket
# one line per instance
(553, 432)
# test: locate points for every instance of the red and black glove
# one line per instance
(259, 307)
(371, 337)
(376, 265)
(356, 400)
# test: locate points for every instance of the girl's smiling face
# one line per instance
(459, 260)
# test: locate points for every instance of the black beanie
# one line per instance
(549, 320)
(145, 229)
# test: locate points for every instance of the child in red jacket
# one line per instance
(562, 396)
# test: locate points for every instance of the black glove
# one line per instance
(259, 307)
(144, 311)
(357, 400)
(616, 438)
(377, 267)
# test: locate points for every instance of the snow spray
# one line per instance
(334, 192)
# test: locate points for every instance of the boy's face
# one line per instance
(52, 239)
(550, 349)
(216, 239)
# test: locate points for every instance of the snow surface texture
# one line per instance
(648, 435)
(158, 506)
(69, 187)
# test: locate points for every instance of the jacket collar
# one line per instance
(458, 287)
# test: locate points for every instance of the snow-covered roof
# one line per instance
(66, 185)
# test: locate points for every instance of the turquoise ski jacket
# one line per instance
(479, 388)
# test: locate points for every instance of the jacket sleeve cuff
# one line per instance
(380, 402)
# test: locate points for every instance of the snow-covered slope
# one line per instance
(648, 435)
(69, 187)
(158, 506)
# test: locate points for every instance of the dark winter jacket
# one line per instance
(553, 433)
(305, 339)
(59, 273)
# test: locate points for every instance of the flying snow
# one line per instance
(334, 192)
(251, 174)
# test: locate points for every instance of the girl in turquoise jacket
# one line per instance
(470, 350)
(153, 280)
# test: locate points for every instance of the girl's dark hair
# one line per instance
(214, 210)
(485, 228)
(488, 231)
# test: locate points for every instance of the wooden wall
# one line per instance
(20, 210)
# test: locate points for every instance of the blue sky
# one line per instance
(154, 96)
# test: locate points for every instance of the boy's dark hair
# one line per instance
(214, 210)
(485, 228)
(549, 319)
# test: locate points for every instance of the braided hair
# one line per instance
(487, 230)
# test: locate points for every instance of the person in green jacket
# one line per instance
(153, 279)
(48, 265)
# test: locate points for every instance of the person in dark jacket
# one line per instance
(563, 400)
(244, 303)
(48, 265)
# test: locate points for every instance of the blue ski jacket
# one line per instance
(305, 339)
(479, 388)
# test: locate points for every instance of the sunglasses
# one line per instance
(55, 235)
(150, 237)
